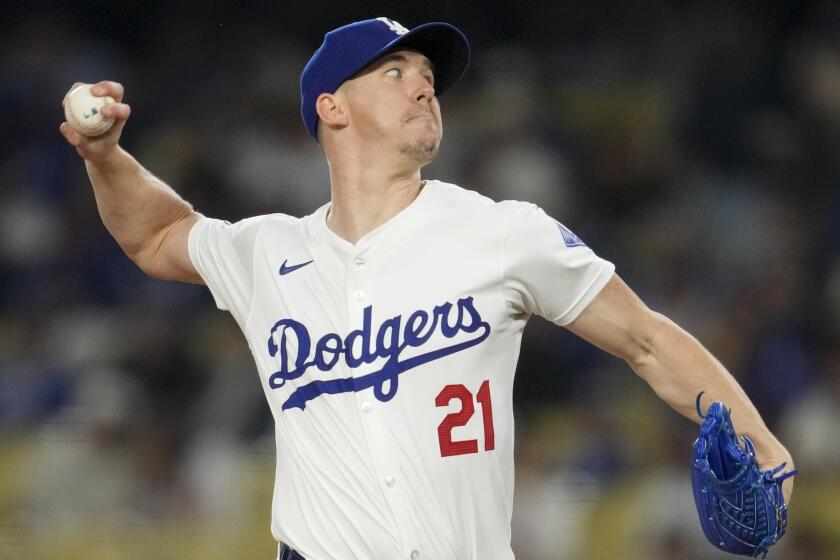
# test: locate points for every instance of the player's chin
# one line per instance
(422, 147)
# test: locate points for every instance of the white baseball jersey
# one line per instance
(388, 364)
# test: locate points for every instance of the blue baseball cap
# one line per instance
(348, 49)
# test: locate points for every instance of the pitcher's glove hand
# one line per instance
(742, 510)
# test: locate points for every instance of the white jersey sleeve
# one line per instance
(223, 254)
(548, 270)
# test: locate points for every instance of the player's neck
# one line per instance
(363, 201)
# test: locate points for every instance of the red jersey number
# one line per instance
(448, 447)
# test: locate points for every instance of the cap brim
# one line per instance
(443, 44)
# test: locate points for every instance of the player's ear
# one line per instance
(331, 111)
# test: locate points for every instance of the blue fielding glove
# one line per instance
(742, 509)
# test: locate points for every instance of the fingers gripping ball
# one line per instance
(741, 508)
(82, 110)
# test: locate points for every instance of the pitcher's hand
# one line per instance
(99, 148)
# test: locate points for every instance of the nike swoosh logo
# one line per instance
(287, 269)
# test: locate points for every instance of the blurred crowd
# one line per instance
(695, 146)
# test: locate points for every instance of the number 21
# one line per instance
(455, 419)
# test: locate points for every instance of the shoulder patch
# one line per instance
(569, 238)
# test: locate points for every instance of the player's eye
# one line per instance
(394, 72)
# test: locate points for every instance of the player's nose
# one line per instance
(425, 92)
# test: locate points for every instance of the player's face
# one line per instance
(393, 101)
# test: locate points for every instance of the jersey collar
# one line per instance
(406, 222)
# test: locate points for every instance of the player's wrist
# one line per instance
(107, 160)
(770, 453)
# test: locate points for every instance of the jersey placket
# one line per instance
(359, 296)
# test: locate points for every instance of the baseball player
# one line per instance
(386, 325)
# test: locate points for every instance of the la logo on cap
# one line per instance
(393, 25)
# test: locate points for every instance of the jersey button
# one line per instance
(358, 295)
(366, 406)
(415, 554)
(390, 481)
(358, 261)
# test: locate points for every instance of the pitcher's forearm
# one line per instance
(678, 367)
(147, 218)
(136, 207)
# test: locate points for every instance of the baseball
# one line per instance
(82, 111)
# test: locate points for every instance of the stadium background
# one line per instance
(695, 144)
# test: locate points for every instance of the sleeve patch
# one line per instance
(569, 238)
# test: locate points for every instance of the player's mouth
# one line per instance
(427, 114)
